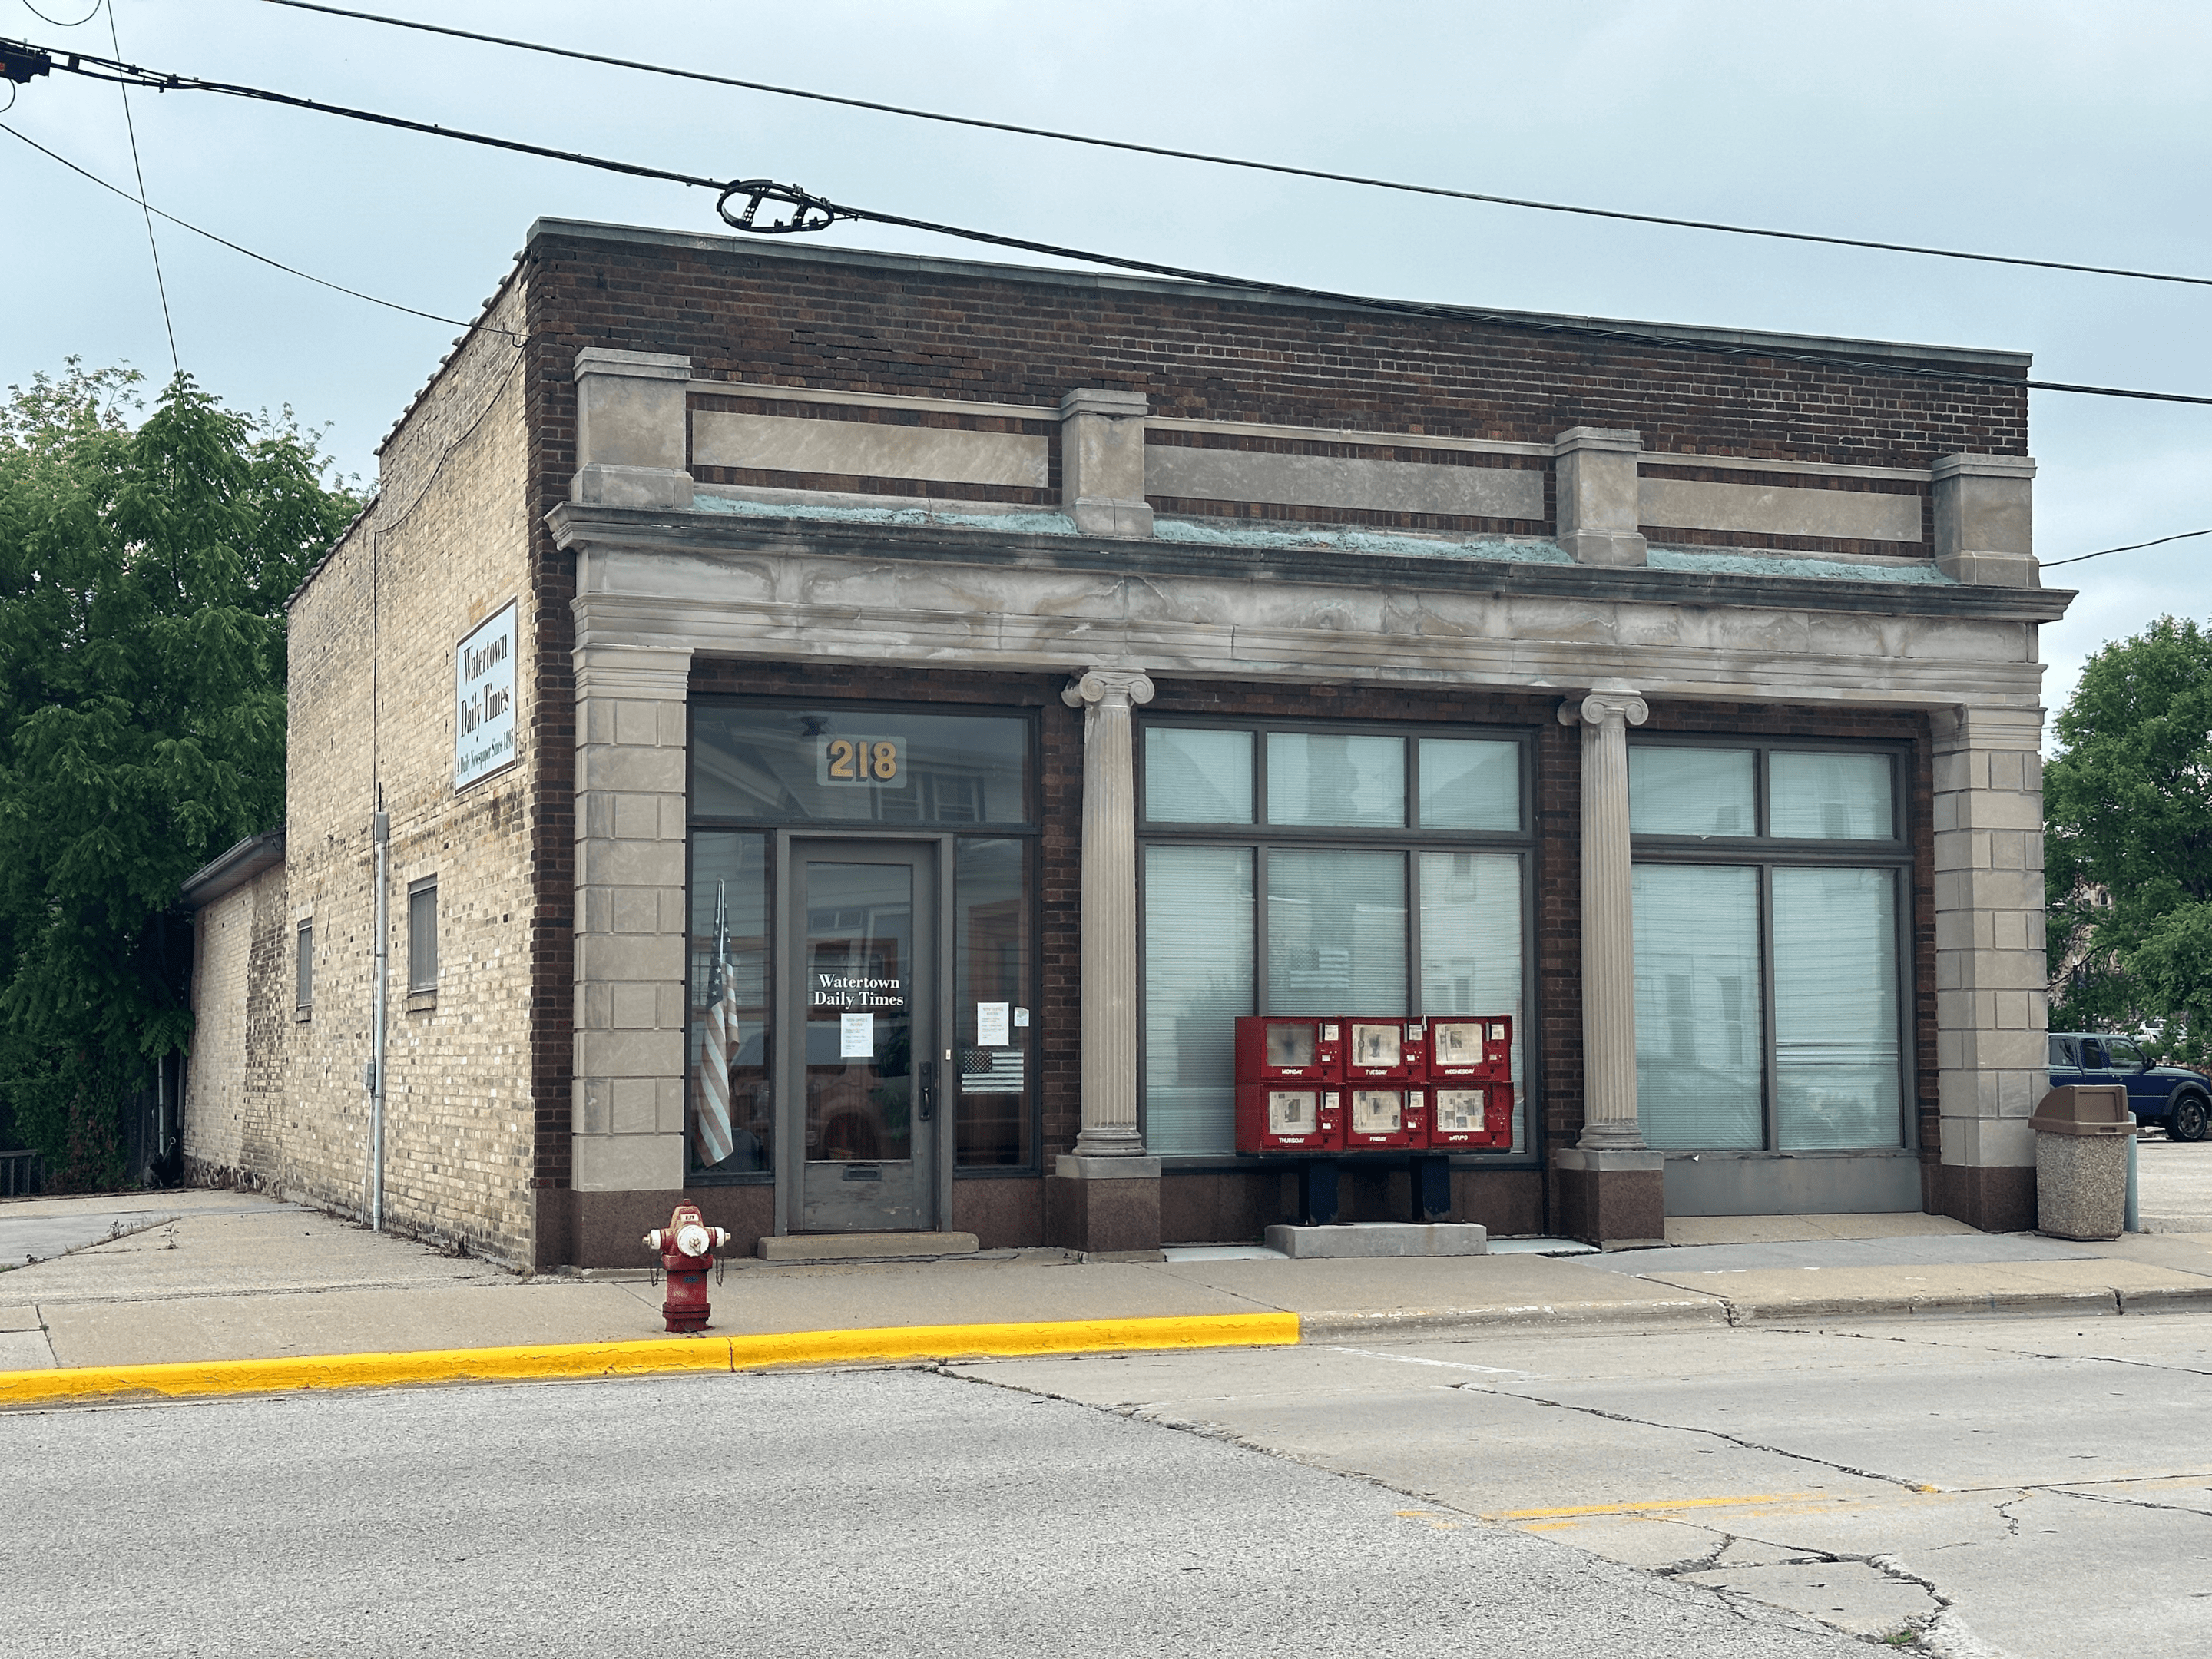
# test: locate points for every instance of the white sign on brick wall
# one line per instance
(483, 692)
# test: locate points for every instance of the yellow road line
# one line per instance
(1674, 1503)
(90, 1383)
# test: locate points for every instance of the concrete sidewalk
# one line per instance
(203, 1276)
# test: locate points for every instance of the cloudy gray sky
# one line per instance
(2070, 131)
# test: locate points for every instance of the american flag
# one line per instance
(711, 1128)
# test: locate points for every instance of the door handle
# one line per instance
(928, 1089)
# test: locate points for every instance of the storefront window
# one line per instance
(1341, 906)
(728, 1117)
(1768, 1013)
(995, 1029)
(1198, 979)
(835, 765)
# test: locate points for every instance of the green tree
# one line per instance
(2127, 809)
(143, 573)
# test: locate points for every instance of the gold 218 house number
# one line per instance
(879, 762)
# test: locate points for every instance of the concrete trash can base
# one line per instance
(2082, 1135)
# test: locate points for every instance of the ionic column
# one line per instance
(1106, 697)
(1608, 921)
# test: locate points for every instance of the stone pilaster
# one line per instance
(1102, 462)
(1984, 520)
(1105, 1197)
(1596, 472)
(1991, 1056)
(633, 442)
(1612, 1187)
(631, 917)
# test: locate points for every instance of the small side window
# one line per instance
(304, 967)
(2062, 1055)
(422, 935)
(2092, 1055)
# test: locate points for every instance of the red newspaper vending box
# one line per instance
(1393, 1050)
(1472, 1117)
(1272, 1118)
(1465, 1046)
(1378, 1118)
(1279, 1048)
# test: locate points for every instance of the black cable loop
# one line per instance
(57, 22)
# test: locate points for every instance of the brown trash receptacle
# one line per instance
(2082, 1131)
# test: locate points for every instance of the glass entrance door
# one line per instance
(865, 1094)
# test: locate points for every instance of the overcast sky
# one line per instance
(2075, 132)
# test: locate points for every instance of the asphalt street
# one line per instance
(892, 1512)
(2034, 1486)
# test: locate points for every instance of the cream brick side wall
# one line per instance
(241, 999)
(373, 639)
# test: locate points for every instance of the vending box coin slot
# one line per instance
(1385, 1050)
(1271, 1118)
(1274, 1048)
(1472, 1117)
(1471, 1047)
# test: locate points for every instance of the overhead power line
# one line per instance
(1244, 162)
(2182, 536)
(797, 211)
(138, 171)
(224, 241)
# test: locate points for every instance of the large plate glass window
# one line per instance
(1320, 870)
(1769, 928)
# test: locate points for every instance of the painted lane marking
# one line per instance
(1447, 1364)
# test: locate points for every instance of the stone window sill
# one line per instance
(302, 1014)
(422, 1002)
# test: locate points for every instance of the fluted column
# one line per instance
(1107, 696)
(1608, 921)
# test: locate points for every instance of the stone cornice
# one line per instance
(701, 534)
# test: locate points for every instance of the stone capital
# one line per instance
(1600, 706)
(1109, 689)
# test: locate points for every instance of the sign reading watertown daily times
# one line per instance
(483, 690)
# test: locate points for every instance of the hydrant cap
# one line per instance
(691, 1239)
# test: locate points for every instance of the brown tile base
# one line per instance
(1103, 1217)
(1004, 1215)
(1612, 1208)
(607, 1229)
(1997, 1201)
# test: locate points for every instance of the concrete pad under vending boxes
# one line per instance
(1381, 1238)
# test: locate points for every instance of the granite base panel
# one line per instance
(1004, 1215)
(607, 1229)
(1997, 1199)
(1611, 1208)
(1103, 1217)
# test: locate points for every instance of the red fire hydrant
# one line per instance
(687, 1246)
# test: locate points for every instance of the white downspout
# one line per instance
(380, 834)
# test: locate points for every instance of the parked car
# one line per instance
(2176, 1100)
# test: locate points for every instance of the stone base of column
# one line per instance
(1996, 1197)
(1103, 1205)
(1615, 1200)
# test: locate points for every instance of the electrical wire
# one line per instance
(160, 286)
(59, 23)
(2181, 536)
(224, 241)
(810, 212)
(1245, 163)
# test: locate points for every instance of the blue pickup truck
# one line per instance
(2179, 1101)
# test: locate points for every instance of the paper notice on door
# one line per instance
(990, 1023)
(856, 1037)
(1021, 1015)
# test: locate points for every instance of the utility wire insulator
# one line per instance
(805, 211)
(20, 62)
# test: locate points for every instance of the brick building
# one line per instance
(854, 731)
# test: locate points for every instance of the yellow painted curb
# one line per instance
(92, 1383)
